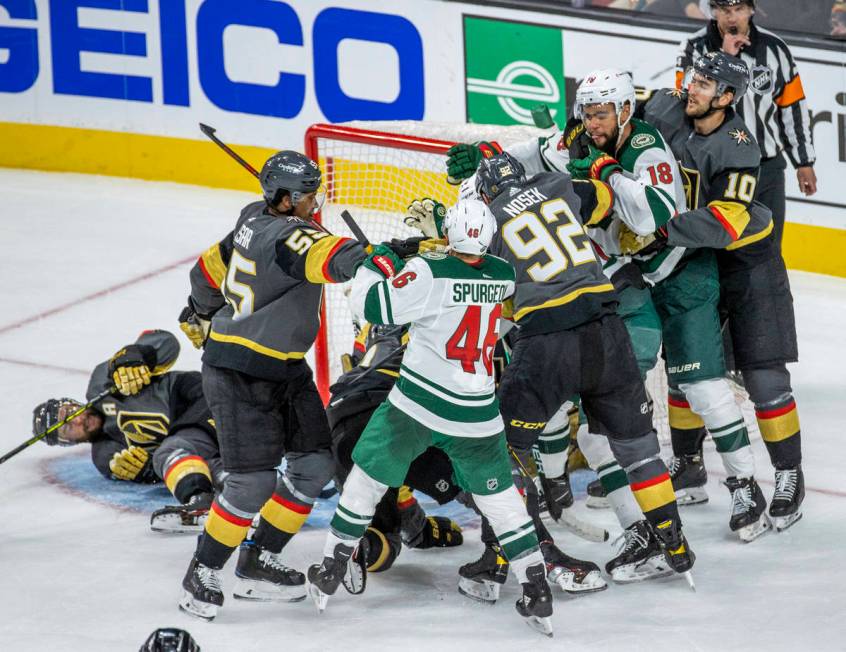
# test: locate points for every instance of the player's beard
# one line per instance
(610, 144)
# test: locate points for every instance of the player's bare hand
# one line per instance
(807, 180)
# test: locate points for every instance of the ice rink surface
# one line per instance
(89, 262)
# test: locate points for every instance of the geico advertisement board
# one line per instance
(262, 69)
(515, 60)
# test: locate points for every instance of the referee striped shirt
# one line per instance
(774, 107)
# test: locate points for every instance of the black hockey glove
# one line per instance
(405, 248)
(557, 495)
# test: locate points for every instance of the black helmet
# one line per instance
(730, 73)
(289, 172)
(731, 3)
(46, 415)
(170, 639)
(496, 173)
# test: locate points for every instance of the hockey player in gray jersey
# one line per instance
(564, 307)
(257, 295)
(721, 160)
(155, 427)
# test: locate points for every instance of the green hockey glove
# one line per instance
(463, 159)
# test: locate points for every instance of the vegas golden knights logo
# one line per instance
(690, 180)
(145, 429)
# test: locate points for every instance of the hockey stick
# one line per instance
(210, 131)
(29, 442)
(349, 220)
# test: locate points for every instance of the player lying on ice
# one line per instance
(155, 427)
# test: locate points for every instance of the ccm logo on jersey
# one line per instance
(528, 425)
(690, 366)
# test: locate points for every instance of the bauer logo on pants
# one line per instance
(510, 68)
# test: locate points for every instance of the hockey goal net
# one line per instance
(375, 170)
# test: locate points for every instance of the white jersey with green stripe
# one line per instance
(446, 379)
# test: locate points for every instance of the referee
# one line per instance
(774, 110)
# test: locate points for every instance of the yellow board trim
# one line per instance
(254, 346)
(567, 298)
(198, 162)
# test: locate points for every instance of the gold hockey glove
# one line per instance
(130, 371)
(132, 464)
(196, 328)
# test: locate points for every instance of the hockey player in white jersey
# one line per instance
(444, 397)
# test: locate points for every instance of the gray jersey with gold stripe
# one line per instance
(267, 275)
(560, 282)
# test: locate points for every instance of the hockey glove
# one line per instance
(405, 248)
(557, 495)
(133, 464)
(463, 159)
(130, 369)
(596, 165)
(384, 261)
(196, 328)
(437, 532)
(575, 139)
(427, 216)
(642, 245)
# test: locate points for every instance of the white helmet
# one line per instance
(470, 227)
(606, 86)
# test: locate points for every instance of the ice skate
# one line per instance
(187, 518)
(689, 478)
(676, 549)
(640, 556)
(536, 603)
(481, 579)
(748, 509)
(202, 595)
(261, 576)
(786, 506)
(344, 567)
(596, 496)
(572, 575)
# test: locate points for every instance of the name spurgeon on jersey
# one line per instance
(476, 292)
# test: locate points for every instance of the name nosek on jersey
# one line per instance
(524, 200)
(472, 292)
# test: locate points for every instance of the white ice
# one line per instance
(75, 575)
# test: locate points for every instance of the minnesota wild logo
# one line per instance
(740, 136)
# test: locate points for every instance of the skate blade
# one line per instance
(566, 580)
(689, 577)
(651, 569)
(595, 502)
(691, 496)
(259, 591)
(355, 577)
(583, 529)
(781, 523)
(754, 530)
(484, 591)
(196, 608)
(542, 625)
(173, 524)
(319, 597)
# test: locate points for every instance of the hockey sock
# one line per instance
(779, 425)
(687, 430)
(225, 529)
(554, 443)
(647, 475)
(622, 501)
(513, 527)
(713, 400)
(775, 409)
(355, 510)
(282, 516)
(185, 475)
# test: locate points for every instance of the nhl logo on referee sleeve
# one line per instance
(761, 80)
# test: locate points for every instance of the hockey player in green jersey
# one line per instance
(155, 427)
(721, 161)
(444, 397)
(261, 288)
